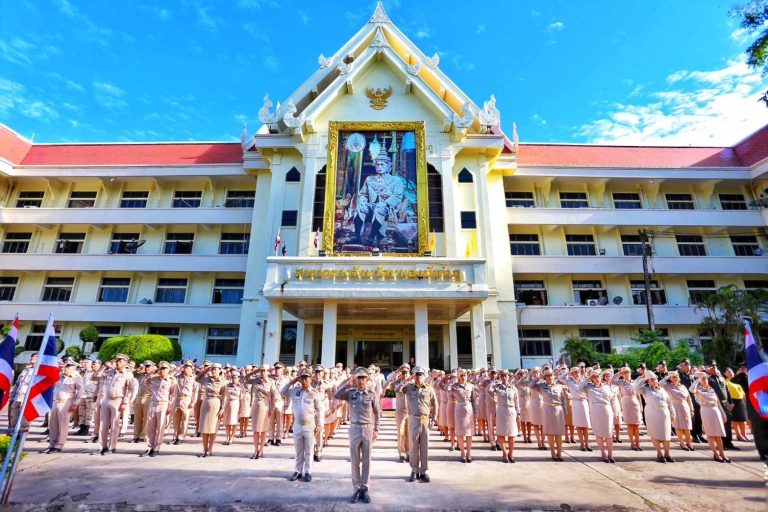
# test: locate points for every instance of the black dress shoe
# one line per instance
(295, 476)
(401, 459)
(279, 443)
(424, 478)
(153, 453)
(145, 453)
(364, 496)
(668, 459)
(732, 447)
(308, 477)
(413, 477)
(46, 432)
(104, 451)
(317, 458)
(176, 441)
(355, 497)
(47, 450)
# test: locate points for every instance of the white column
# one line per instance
(453, 343)
(421, 334)
(446, 346)
(350, 347)
(405, 339)
(328, 351)
(479, 348)
(299, 350)
(309, 342)
(450, 216)
(274, 327)
(496, 344)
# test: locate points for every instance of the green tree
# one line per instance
(141, 347)
(4, 330)
(753, 18)
(89, 334)
(724, 309)
(578, 349)
(74, 352)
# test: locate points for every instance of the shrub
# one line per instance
(579, 349)
(89, 334)
(74, 352)
(141, 347)
(4, 442)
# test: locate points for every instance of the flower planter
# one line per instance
(387, 404)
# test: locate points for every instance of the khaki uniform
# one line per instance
(364, 420)
(507, 409)
(401, 419)
(307, 413)
(211, 389)
(66, 395)
(117, 393)
(322, 388)
(88, 402)
(141, 407)
(275, 421)
(161, 395)
(17, 397)
(184, 398)
(422, 406)
(264, 396)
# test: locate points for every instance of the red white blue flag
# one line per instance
(285, 250)
(317, 238)
(757, 374)
(7, 352)
(277, 241)
(45, 377)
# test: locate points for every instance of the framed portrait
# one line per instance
(376, 189)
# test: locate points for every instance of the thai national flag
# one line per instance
(285, 250)
(317, 238)
(757, 374)
(7, 351)
(277, 241)
(45, 377)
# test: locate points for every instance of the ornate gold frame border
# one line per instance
(334, 127)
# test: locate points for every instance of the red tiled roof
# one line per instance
(563, 155)
(13, 147)
(134, 154)
(754, 148)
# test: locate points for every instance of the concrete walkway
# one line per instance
(80, 479)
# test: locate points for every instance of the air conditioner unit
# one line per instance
(593, 302)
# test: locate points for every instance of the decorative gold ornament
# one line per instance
(378, 97)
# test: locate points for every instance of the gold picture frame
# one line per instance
(352, 225)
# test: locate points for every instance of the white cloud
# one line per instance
(556, 26)
(480, 29)
(536, 118)
(109, 95)
(423, 33)
(270, 63)
(16, 99)
(163, 14)
(303, 18)
(740, 35)
(74, 85)
(204, 16)
(707, 108)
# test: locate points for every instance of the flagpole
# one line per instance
(12, 446)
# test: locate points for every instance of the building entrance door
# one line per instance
(384, 354)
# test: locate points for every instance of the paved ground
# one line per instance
(78, 479)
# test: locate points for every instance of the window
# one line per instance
(631, 245)
(8, 287)
(679, 201)
(172, 333)
(531, 293)
(187, 199)
(124, 243)
(171, 291)
(465, 176)
(114, 289)
(289, 219)
(179, 243)
(524, 245)
(134, 199)
(30, 199)
(744, 245)
(35, 337)
(580, 245)
(234, 243)
(16, 243)
(732, 202)
(240, 199)
(637, 287)
(435, 195)
(58, 289)
(70, 243)
(228, 291)
(690, 245)
(105, 332)
(699, 290)
(81, 200)
(222, 341)
(468, 220)
(519, 199)
(600, 338)
(318, 206)
(573, 200)
(623, 201)
(293, 176)
(535, 342)
(749, 284)
(589, 293)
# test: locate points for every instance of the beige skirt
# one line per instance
(506, 421)
(260, 415)
(463, 419)
(209, 415)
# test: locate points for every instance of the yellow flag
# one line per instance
(471, 249)
(432, 240)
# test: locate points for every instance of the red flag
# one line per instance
(45, 377)
(277, 241)
(317, 238)
(7, 352)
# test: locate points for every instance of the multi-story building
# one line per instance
(512, 247)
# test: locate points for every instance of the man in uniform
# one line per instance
(307, 421)
(115, 378)
(686, 379)
(661, 370)
(319, 385)
(141, 404)
(184, 401)
(66, 397)
(275, 421)
(401, 411)
(19, 390)
(421, 401)
(161, 388)
(364, 421)
(88, 401)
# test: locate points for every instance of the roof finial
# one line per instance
(379, 15)
(244, 135)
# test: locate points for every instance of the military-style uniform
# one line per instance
(117, 393)
(141, 407)
(325, 400)
(161, 395)
(422, 405)
(17, 396)
(88, 403)
(183, 402)
(66, 395)
(275, 422)
(307, 414)
(401, 416)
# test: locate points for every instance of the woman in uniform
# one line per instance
(450, 408)
(580, 406)
(535, 406)
(600, 411)
(462, 393)
(659, 413)
(212, 384)
(231, 412)
(553, 416)
(264, 396)
(507, 411)
(245, 402)
(481, 383)
(607, 377)
(630, 406)
(524, 396)
(490, 409)
(712, 415)
(739, 411)
(681, 401)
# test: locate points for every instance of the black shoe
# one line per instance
(94, 439)
(732, 447)
(308, 477)
(145, 453)
(270, 442)
(113, 451)
(46, 432)
(355, 497)
(407, 458)
(424, 478)
(413, 477)
(401, 459)
(136, 440)
(152, 453)
(295, 476)
(669, 459)
(316, 458)
(364, 496)
(83, 431)
(104, 451)
(279, 443)
(47, 450)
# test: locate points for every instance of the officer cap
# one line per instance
(361, 372)
(483, 370)
(207, 363)
(217, 366)
(319, 368)
(263, 367)
(163, 364)
(418, 370)
(189, 363)
(493, 370)
(674, 373)
(69, 362)
(504, 372)
(650, 375)
(405, 367)
(148, 363)
(685, 361)
(279, 365)
(574, 369)
(121, 356)
(462, 371)
(661, 363)
(305, 373)
(302, 363)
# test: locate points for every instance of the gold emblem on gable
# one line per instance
(378, 97)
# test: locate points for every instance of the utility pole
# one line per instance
(646, 238)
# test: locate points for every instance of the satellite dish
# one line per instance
(758, 251)
(618, 300)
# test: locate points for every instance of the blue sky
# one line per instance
(652, 72)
